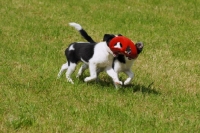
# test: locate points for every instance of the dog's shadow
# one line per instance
(134, 88)
(142, 88)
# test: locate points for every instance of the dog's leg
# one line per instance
(93, 73)
(130, 75)
(110, 71)
(70, 70)
(81, 70)
(64, 67)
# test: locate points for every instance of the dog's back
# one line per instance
(79, 51)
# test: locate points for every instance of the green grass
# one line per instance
(163, 97)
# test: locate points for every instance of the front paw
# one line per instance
(128, 81)
(118, 82)
(87, 79)
(70, 80)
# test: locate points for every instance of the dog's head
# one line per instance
(131, 51)
(139, 46)
(122, 45)
(114, 42)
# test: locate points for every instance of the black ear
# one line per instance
(120, 35)
(108, 37)
(139, 46)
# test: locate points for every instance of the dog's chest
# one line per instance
(102, 56)
(102, 60)
(121, 67)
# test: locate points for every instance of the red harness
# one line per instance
(123, 45)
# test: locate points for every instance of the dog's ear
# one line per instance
(108, 37)
(120, 35)
(139, 46)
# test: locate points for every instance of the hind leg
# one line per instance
(70, 70)
(64, 67)
(93, 73)
(81, 70)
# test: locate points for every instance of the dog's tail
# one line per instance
(82, 32)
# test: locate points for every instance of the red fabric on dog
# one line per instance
(128, 48)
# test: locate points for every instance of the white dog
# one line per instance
(120, 63)
(95, 55)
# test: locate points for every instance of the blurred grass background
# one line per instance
(163, 97)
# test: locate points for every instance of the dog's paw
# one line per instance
(70, 80)
(118, 82)
(87, 79)
(118, 85)
(128, 81)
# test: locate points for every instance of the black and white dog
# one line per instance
(95, 55)
(120, 63)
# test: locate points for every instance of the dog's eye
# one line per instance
(128, 50)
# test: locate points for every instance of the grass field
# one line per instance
(163, 97)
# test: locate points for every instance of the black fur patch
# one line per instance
(120, 58)
(139, 46)
(86, 36)
(83, 51)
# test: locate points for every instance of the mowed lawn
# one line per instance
(163, 97)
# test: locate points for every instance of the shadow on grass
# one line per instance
(106, 84)
(142, 88)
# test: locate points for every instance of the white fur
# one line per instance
(64, 67)
(101, 60)
(71, 47)
(76, 26)
(104, 62)
(118, 66)
(126, 68)
(70, 70)
(81, 70)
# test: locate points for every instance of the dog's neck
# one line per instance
(110, 51)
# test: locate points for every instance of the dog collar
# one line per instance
(123, 45)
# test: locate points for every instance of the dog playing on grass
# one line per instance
(120, 63)
(97, 56)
